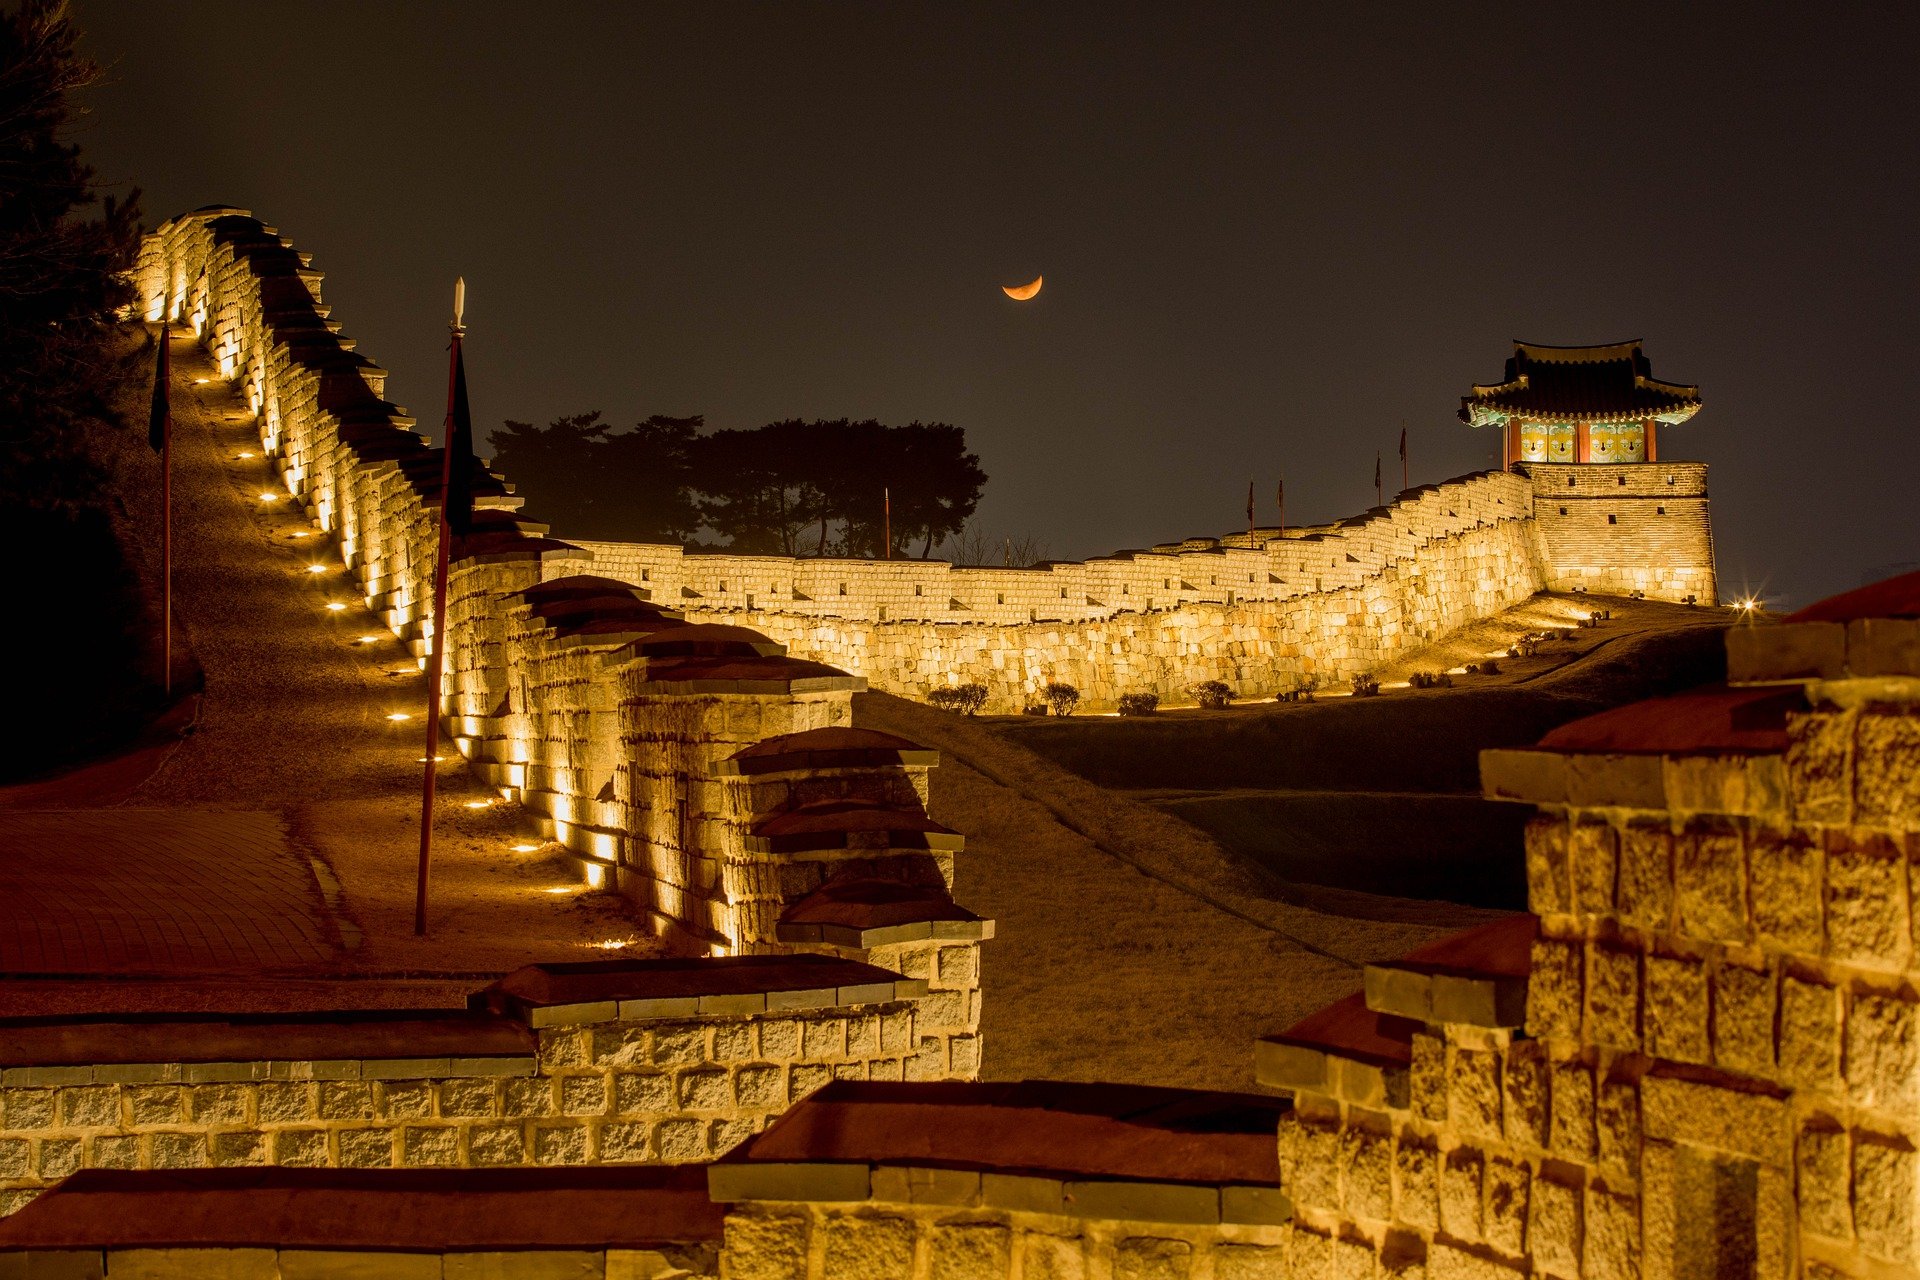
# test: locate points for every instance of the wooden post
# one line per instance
(1583, 442)
(1653, 454)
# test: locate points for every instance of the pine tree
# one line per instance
(62, 273)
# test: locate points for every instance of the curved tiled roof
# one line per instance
(1611, 383)
(1890, 598)
(1711, 721)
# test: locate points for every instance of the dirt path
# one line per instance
(1128, 945)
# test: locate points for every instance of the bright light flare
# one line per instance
(303, 533)
(316, 568)
(269, 497)
(368, 640)
(479, 804)
(245, 453)
(614, 944)
(399, 715)
(1749, 604)
(526, 848)
(334, 606)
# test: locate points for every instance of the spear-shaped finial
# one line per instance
(459, 301)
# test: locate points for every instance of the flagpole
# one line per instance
(886, 531)
(166, 519)
(1405, 484)
(437, 644)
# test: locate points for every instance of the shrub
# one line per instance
(1430, 680)
(1139, 704)
(1365, 686)
(1034, 709)
(1063, 698)
(964, 698)
(1487, 668)
(1214, 695)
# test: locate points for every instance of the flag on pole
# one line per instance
(1249, 504)
(459, 462)
(1377, 493)
(160, 418)
(1403, 458)
(1280, 500)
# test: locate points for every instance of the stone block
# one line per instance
(366, 1148)
(466, 1099)
(1820, 767)
(27, 1108)
(1555, 1227)
(177, 1151)
(344, 1264)
(1886, 762)
(543, 1264)
(1883, 1052)
(151, 1105)
(1310, 1162)
(1460, 1198)
(233, 1148)
(563, 1143)
(1416, 1174)
(865, 1246)
(118, 1151)
(1368, 1159)
(300, 1148)
(1250, 1262)
(1549, 885)
(1612, 1236)
(496, 1144)
(429, 1145)
(345, 1100)
(1822, 1162)
(1449, 1261)
(765, 1247)
(1524, 1107)
(1507, 1183)
(92, 1107)
(904, 1184)
(1740, 1121)
(1555, 990)
(404, 1099)
(1809, 1044)
(1676, 1008)
(1255, 1206)
(1866, 909)
(285, 1103)
(682, 1140)
(194, 1264)
(1617, 1126)
(1613, 997)
(1884, 1191)
(58, 1157)
(1151, 1258)
(640, 1093)
(1709, 884)
(1572, 1111)
(1473, 1093)
(1427, 1077)
(1644, 895)
(1593, 860)
(583, 1095)
(1045, 1257)
(1743, 1020)
(969, 1251)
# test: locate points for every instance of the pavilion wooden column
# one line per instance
(1510, 454)
(1583, 442)
(1653, 454)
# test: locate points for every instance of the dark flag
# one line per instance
(1280, 500)
(160, 418)
(1249, 504)
(1376, 472)
(459, 468)
(1403, 458)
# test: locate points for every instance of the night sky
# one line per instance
(1271, 235)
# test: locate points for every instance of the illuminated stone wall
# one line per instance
(664, 1090)
(1315, 606)
(1717, 1070)
(1617, 528)
(769, 1240)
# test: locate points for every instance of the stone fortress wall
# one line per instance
(1615, 529)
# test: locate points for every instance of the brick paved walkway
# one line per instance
(279, 837)
(138, 890)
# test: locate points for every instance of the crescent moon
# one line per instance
(1021, 292)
